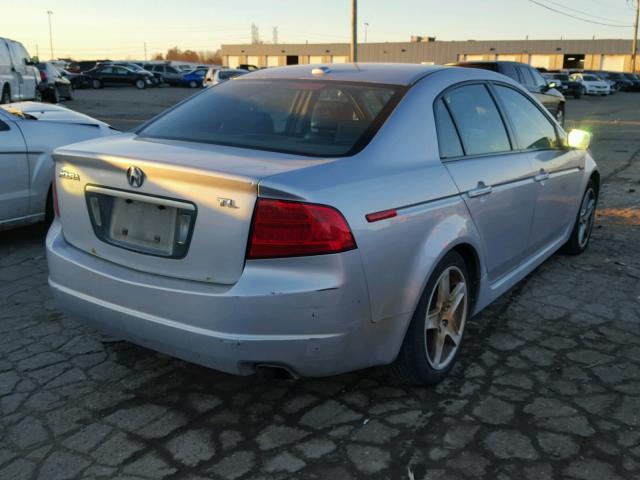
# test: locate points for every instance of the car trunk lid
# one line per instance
(170, 208)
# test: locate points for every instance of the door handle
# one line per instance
(542, 176)
(480, 190)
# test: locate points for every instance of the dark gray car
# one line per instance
(531, 79)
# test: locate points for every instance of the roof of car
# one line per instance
(389, 73)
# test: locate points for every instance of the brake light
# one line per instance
(54, 196)
(43, 76)
(290, 229)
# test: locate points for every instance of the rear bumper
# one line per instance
(309, 314)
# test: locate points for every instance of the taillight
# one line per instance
(54, 195)
(43, 76)
(290, 229)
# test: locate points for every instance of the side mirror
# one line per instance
(579, 139)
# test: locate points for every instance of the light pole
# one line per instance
(634, 47)
(354, 31)
(366, 28)
(49, 13)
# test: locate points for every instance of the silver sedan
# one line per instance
(29, 132)
(319, 219)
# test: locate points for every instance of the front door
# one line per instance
(557, 170)
(495, 182)
(14, 173)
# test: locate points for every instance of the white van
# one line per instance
(18, 76)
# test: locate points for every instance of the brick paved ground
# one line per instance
(548, 386)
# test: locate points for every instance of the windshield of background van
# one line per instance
(312, 118)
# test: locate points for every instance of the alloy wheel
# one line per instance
(586, 217)
(445, 318)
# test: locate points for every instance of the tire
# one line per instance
(70, 93)
(193, 84)
(581, 233)
(448, 302)
(37, 96)
(48, 209)
(560, 115)
(577, 94)
(6, 95)
(95, 83)
(140, 84)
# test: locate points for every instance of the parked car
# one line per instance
(194, 79)
(222, 75)
(248, 67)
(531, 79)
(591, 85)
(78, 80)
(117, 76)
(138, 69)
(28, 134)
(605, 77)
(635, 81)
(622, 82)
(53, 85)
(564, 84)
(167, 73)
(319, 219)
(208, 77)
(18, 76)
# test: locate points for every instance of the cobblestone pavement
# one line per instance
(548, 386)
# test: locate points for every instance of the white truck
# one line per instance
(18, 75)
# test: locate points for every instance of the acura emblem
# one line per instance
(135, 177)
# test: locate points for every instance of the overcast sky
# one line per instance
(119, 28)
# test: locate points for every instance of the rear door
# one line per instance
(495, 182)
(558, 171)
(14, 172)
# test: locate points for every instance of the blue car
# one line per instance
(194, 78)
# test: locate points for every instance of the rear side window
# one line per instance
(510, 71)
(478, 120)
(532, 128)
(448, 141)
(527, 78)
(313, 118)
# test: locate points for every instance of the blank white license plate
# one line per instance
(142, 225)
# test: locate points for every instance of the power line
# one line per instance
(581, 12)
(576, 17)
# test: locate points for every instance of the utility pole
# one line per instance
(49, 13)
(145, 51)
(354, 31)
(366, 28)
(634, 47)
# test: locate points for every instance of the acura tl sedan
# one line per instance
(317, 220)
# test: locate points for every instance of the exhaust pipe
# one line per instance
(275, 372)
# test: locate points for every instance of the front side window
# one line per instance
(478, 120)
(527, 78)
(533, 129)
(315, 118)
(538, 79)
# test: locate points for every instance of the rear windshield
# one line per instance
(305, 117)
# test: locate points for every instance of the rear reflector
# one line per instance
(290, 229)
(377, 216)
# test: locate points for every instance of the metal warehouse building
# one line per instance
(614, 55)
